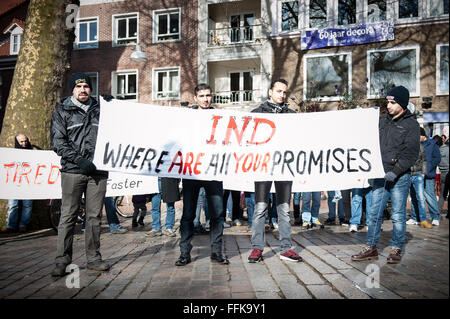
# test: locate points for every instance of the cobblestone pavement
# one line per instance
(144, 268)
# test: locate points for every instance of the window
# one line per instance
(15, 39)
(241, 86)
(125, 29)
(389, 67)
(86, 34)
(376, 10)
(346, 12)
(327, 77)
(438, 7)
(167, 25)
(124, 85)
(317, 13)
(442, 69)
(241, 27)
(166, 83)
(94, 81)
(289, 16)
(408, 9)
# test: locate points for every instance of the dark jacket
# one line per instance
(399, 142)
(73, 134)
(170, 191)
(433, 156)
(269, 107)
(443, 164)
(139, 199)
(420, 166)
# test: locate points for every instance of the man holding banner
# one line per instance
(73, 136)
(399, 143)
(214, 196)
(276, 104)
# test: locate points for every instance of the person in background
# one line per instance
(140, 209)
(13, 223)
(443, 167)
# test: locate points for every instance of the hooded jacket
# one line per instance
(433, 157)
(399, 142)
(73, 134)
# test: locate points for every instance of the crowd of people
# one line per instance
(410, 160)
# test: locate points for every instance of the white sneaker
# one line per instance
(353, 228)
(411, 222)
(275, 225)
(226, 225)
(435, 222)
(237, 222)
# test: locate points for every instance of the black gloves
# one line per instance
(87, 167)
(107, 97)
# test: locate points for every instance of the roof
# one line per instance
(9, 4)
(15, 21)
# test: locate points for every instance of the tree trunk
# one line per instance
(42, 62)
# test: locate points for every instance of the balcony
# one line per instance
(234, 36)
(230, 97)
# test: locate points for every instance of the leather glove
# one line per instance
(107, 97)
(390, 176)
(87, 167)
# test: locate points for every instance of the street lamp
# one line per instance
(138, 55)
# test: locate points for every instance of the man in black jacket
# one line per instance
(73, 136)
(399, 145)
(214, 196)
(276, 104)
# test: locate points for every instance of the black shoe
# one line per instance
(219, 258)
(344, 222)
(59, 271)
(183, 260)
(134, 223)
(98, 265)
(329, 221)
(200, 230)
(141, 221)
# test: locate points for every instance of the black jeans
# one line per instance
(214, 196)
(236, 199)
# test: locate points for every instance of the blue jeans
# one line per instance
(357, 199)
(310, 209)
(13, 213)
(296, 201)
(430, 198)
(214, 196)
(111, 216)
(250, 202)
(417, 191)
(156, 211)
(398, 191)
(332, 207)
(201, 203)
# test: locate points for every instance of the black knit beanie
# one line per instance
(79, 77)
(399, 94)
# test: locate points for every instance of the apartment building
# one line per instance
(107, 34)
(334, 50)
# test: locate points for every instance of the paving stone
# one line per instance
(345, 287)
(323, 292)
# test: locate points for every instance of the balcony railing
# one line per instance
(233, 36)
(225, 97)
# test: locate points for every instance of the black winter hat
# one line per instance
(399, 94)
(79, 77)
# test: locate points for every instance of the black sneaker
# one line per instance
(141, 221)
(134, 224)
(98, 265)
(219, 258)
(329, 221)
(344, 222)
(59, 270)
(183, 260)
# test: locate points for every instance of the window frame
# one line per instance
(319, 55)
(77, 33)
(420, 7)
(399, 48)
(115, 28)
(428, 11)
(115, 74)
(438, 69)
(335, 20)
(366, 11)
(168, 11)
(280, 20)
(16, 31)
(167, 69)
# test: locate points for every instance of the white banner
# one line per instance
(317, 151)
(32, 174)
